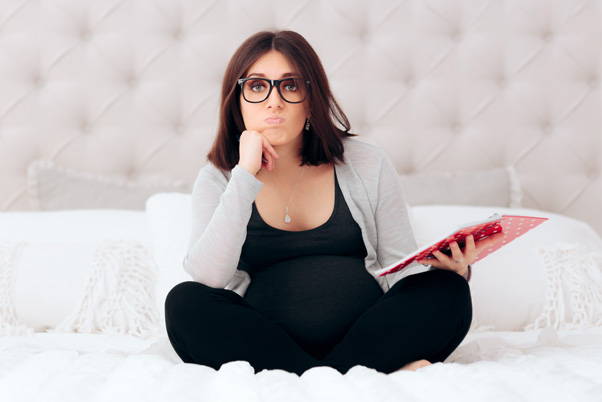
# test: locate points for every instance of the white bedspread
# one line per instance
(541, 365)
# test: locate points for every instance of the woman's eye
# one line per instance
(287, 87)
(257, 86)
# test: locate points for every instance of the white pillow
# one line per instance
(52, 187)
(77, 271)
(169, 216)
(485, 187)
(550, 276)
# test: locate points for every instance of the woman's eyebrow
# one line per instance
(263, 75)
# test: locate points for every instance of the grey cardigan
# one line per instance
(222, 206)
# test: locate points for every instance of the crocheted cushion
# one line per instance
(10, 324)
(76, 271)
(100, 288)
(573, 287)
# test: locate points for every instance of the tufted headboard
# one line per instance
(131, 87)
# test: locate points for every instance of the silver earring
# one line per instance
(307, 125)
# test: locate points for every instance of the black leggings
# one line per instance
(422, 316)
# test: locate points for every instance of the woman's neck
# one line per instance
(288, 164)
(284, 172)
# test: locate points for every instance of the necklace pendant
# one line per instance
(287, 218)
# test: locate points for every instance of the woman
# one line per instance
(287, 233)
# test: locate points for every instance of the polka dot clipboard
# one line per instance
(512, 226)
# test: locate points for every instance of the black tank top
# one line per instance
(313, 282)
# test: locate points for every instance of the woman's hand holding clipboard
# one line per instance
(484, 233)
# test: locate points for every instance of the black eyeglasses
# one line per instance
(257, 90)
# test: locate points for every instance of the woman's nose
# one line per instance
(274, 99)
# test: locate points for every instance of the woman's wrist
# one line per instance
(467, 273)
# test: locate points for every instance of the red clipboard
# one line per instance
(512, 226)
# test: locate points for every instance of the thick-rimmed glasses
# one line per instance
(291, 90)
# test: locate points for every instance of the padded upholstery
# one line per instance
(130, 87)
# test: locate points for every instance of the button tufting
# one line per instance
(501, 81)
(362, 33)
(593, 174)
(85, 34)
(456, 35)
(38, 81)
(547, 36)
(177, 127)
(593, 82)
(177, 33)
(131, 80)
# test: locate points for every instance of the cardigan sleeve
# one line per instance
(395, 236)
(220, 213)
(468, 273)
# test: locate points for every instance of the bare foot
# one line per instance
(413, 366)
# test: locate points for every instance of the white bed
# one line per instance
(536, 332)
(539, 365)
(108, 108)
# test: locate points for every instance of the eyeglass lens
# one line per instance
(292, 89)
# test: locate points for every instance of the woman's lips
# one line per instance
(274, 120)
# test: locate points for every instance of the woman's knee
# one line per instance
(450, 277)
(194, 297)
(439, 278)
(185, 294)
(458, 290)
(457, 281)
(441, 287)
(452, 286)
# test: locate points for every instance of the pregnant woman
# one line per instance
(292, 216)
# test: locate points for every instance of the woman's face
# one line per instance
(273, 65)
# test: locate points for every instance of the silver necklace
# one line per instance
(287, 217)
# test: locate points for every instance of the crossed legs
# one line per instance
(423, 316)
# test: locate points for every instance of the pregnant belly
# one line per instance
(315, 299)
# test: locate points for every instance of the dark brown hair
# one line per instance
(322, 143)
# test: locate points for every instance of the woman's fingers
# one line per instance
(470, 246)
(490, 240)
(470, 249)
(267, 161)
(456, 252)
(269, 147)
(470, 253)
(268, 153)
